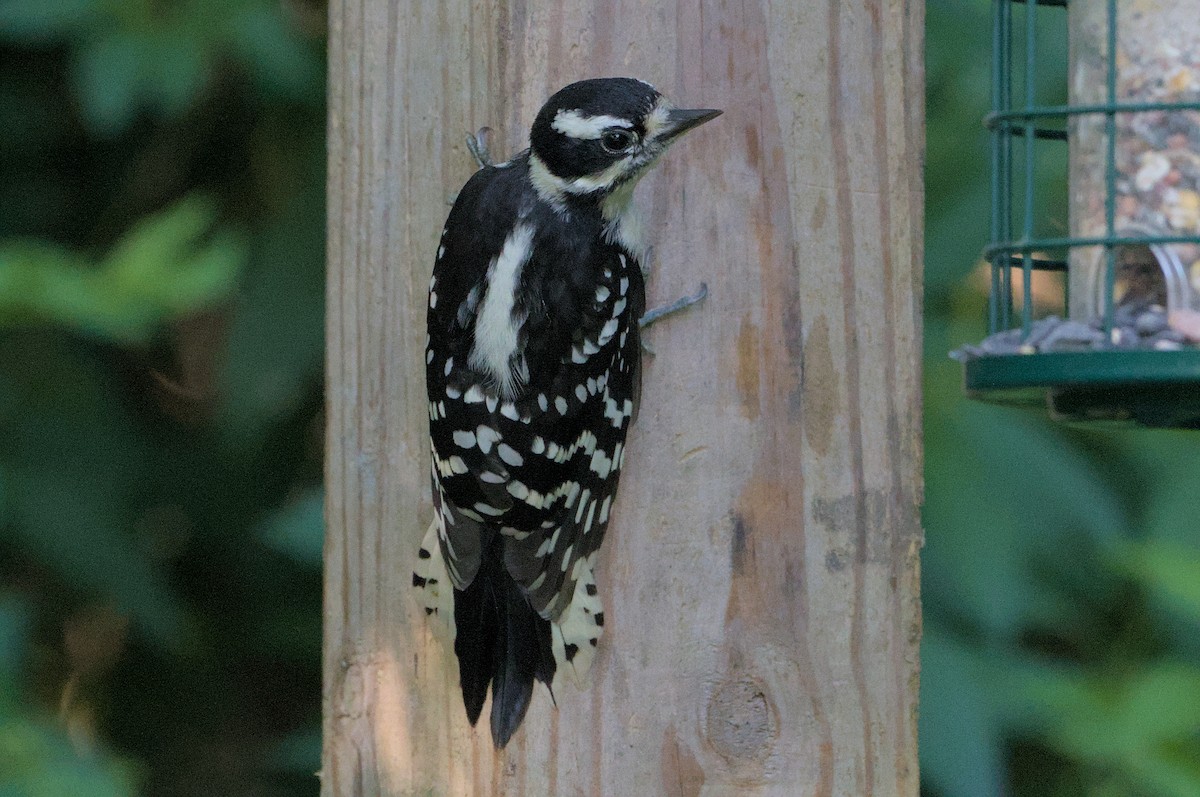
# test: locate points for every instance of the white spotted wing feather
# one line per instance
(530, 407)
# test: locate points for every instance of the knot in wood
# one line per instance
(741, 722)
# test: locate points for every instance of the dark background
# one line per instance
(161, 291)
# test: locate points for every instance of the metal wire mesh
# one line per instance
(1023, 124)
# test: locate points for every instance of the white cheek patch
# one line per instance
(573, 124)
(597, 182)
(554, 189)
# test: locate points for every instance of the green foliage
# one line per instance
(271, 358)
(75, 464)
(262, 40)
(161, 284)
(39, 761)
(37, 758)
(138, 56)
(14, 635)
(961, 733)
(168, 265)
(298, 528)
(1062, 609)
(1170, 569)
(25, 21)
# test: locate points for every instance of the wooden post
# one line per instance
(761, 576)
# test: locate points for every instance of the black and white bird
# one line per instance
(532, 371)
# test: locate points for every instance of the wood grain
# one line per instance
(761, 576)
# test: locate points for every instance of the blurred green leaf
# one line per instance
(1145, 726)
(109, 74)
(282, 62)
(42, 20)
(36, 758)
(116, 488)
(14, 639)
(298, 528)
(1169, 568)
(962, 752)
(275, 346)
(168, 265)
(170, 253)
(299, 752)
(181, 69)
(73, 470)
(956, 237)
(1168, 505)
(72, 526)
(1004, 495)
(38, 761)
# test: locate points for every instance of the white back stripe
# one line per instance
(495, 328)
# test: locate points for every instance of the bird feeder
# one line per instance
(1127, 346)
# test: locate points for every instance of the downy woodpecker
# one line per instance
(532, 371)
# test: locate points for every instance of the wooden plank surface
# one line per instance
(761, 575)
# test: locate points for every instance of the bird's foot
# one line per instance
(658, 313)
(477, 143)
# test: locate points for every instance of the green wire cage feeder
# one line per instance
(1128, 344)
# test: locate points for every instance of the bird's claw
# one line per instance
(674, 307)
(658, 313)
(477, 143)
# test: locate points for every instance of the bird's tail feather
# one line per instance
(500, 640)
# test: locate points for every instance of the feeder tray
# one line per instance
(1122, 250)
(1150, 388)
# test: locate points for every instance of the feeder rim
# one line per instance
(996, 251)
(1110, 367)
(999, 119)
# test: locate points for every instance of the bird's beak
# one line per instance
(681, 120)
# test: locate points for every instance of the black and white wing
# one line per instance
(528, 421)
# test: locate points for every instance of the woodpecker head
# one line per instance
(595, 137)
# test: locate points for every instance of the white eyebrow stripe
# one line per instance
(575, 125)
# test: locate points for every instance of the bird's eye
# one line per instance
(616, 140)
